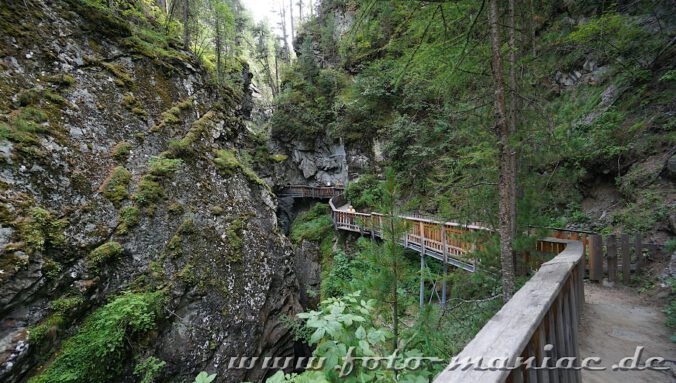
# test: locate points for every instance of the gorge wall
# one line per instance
(120, 172)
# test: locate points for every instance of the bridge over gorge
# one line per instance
(547, 310)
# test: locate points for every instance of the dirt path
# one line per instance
(614, 322)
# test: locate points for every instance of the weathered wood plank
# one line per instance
(595, 258)
(626, 258)
(638, 250)
(611, 246)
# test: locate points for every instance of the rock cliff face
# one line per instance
(119, 172)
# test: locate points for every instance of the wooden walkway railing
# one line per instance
(540, 321)
(305, 191)
(448, 242)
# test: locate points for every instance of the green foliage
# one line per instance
(204, 377)
(365, 194)
(346, 326)
(97, 351)
(312, 225)
(149, 369)
(102, 254)
(115, 186)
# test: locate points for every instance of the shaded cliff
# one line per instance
(122, 169)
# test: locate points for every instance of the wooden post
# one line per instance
(626, 258)
(422, 264)
(595, 258)
(445, 251)
(639, 253)
(611, 245)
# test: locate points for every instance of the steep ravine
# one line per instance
(119, 172)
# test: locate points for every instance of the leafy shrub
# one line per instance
(312, 225)
(96, 353)
(364, 194)
(149, 369)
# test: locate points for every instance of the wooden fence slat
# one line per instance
(595, 258)
(626, 258)
(611, 246)
(638, 249)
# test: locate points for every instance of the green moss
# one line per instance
(216, 210)
(97, 352)
(102, 254)
(51, 269)
(188, 275)
(65, 305)
(29, 97)
(61, 79)
(149, 192)
(121, 151)
(227, 163)
(132, 104)
(46, 330)
(163, 167)
(234, 237)
(40, 230)
(279, 157)
(115, 186)
(129, 217)
(173, 115)
(55, 98)
(182, 148)
(123, 78)
(175, 209)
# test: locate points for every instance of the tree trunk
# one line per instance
(219, 46)
(300, 11)
(506, 175)
(514, 106)
(293, 33)
(162, 4)
(186, 24)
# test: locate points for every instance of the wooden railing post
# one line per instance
(422, 263)
(445, 252)
(595, 258)
(611, 246)
(639, 253)
(626, 258)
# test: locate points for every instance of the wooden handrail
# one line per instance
(545, 311)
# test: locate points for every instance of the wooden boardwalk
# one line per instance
(541, 320)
